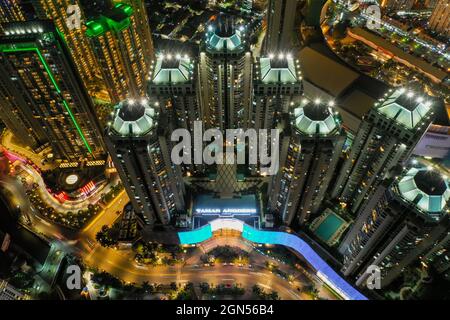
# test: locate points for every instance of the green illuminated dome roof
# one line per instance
(405, 108)
(313, 118)
(427, 189)
(223, 35)
(278, 70)
(133, 118)
(170, 69)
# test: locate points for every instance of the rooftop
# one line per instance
(278, 70)
(326, 73)
(170, 69)
(315, 118)
(117, 18)
(223, 35)
(405, 108)
(389, 47)
(133, 118)
(427, 189)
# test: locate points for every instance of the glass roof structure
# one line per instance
(133, 119)
(222, 35)
(405, 108)
(313, 118)
(276, 71)
(221, 43)
(426, 189)
(323, 270)
(172, 70)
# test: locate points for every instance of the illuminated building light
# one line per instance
(104, 24)
(58, 90)
(196, 236)
(88, 188)
(324, 271)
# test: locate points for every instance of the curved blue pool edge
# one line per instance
(324, 271)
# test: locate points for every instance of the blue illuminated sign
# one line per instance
(324, 271)
(196, 236)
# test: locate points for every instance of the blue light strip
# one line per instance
(196, 236)
(324, 271)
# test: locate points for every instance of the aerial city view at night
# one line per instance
(231, 150)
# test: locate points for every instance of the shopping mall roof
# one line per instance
(426, 188)
(378, 42)
(326, 73)
(133, 118)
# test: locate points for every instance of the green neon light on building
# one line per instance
(50, 74)
(104, 23)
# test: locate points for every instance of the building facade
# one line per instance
(440, 18)
(173, 86)
(386, 137)
(11, 11)
(281, 16)
(310, 150)
(44, 101)
(396, 5)
(439, 256)
(277, 88)
(8, 292)
(138, 145)
(70, 22)
(122, 49)
(401, 223)
(225, 76)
